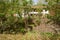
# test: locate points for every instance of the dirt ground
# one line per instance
(44, 27)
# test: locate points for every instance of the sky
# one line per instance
(35, 1)
(42, 1)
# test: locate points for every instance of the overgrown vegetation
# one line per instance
(11, 20)
(55, 19)
(10, 23)
(31, 36)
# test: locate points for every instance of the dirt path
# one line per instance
(44, 27)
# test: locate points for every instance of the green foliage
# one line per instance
(56, 7)
(9, 23)
(12, 24)
(50, 36)
(56, 17)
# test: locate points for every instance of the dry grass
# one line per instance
(27, 36)
(10, 37)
